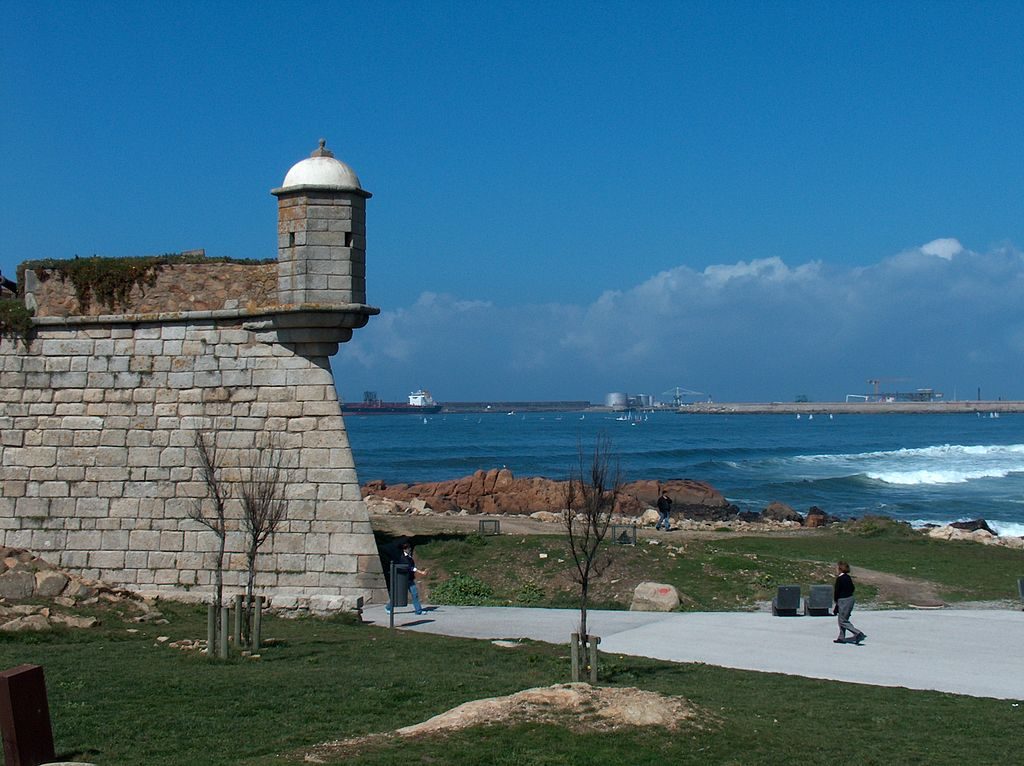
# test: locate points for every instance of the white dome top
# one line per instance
(321, 169)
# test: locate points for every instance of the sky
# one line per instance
(756, 201)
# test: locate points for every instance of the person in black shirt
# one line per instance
(405, 559)
(664, 511)
(842, 594)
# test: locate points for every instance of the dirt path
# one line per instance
(430, 524)
(893, 589)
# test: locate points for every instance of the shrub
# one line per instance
(462, 590)
(530, 593)
(879, 526)
(15, 321)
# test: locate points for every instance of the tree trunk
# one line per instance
(218, 575)
(249, 588)
(583, 611)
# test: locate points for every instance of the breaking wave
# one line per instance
(944, 464)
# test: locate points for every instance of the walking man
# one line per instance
(664, 511)
(842, 593)
(406, 560)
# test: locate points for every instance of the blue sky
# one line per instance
(569, 198)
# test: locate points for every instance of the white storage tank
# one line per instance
(617, 400)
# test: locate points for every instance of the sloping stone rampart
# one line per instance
(98, 420)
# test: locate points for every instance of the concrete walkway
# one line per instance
(963, 651)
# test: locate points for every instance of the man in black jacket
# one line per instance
(664, 511)
(405, 559)
(842, 594)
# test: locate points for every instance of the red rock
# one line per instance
(497, 491)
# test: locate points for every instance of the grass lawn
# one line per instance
(120, 698)
(723, 573)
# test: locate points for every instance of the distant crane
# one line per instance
(877, 382)
(679, 392)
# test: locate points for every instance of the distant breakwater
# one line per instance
(981, 407)
(984, 408)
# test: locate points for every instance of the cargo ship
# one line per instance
(420, 403)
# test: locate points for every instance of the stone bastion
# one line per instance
(102, 400)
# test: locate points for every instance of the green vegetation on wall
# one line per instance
(15, 321)
(109, 281)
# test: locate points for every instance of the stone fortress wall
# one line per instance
(173, 288)
(99, 415)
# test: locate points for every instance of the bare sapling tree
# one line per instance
(590, 497)
(219, 493)
(261, 491)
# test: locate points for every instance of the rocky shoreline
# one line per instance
(696, 506)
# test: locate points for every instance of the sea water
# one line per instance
(916, 468)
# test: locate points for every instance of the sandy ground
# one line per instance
(427, 524)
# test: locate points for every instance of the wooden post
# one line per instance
(257, 621)
(225, 612)
(25, 717)
(211, 630)
(239, 598)
(593, 641)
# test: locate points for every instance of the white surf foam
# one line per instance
(938, 464)
(1002, 528)
(925, 476)
(1008, 528)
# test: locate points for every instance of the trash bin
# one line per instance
(399, 585)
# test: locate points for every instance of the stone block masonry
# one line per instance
(99, 470)
(177, 287)
(99, 412)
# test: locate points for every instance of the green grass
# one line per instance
(963, 570)
(123, 698)
(119, 698)
(724, 573)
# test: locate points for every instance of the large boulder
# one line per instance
(29, 623)
(497, 491)
(973, 526)
(818, 518)
(777, 511)
(548, 517)
(50, 583)
(493, 492)
(690, 499)
(17, 584)
(654, 597)
(649, 518)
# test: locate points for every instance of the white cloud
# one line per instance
(943, 248)
(765, 269)
(939, 314)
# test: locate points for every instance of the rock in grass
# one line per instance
(32, 622)
(17, 584)
(654, 597)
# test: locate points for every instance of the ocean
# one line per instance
(916, 468)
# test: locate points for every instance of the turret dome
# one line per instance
(323, 170)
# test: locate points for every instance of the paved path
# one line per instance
(963, 651)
